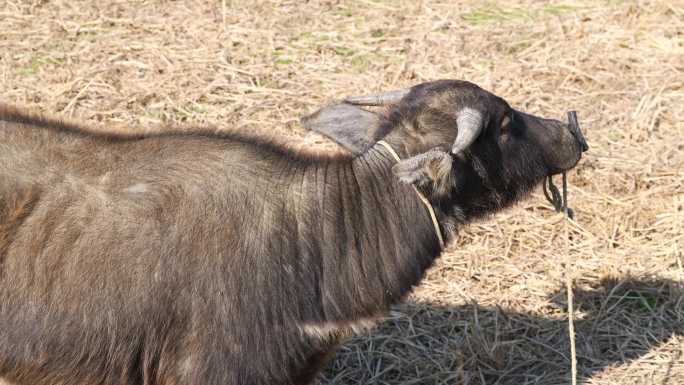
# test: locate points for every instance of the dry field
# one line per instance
(493, 310)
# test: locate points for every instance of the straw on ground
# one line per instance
(492, 310)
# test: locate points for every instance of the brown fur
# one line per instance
(127, 258)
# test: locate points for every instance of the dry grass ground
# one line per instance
(492, 310)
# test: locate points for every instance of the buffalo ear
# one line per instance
(432, 169)
(352, 127)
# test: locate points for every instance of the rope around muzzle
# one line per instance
(559, 202)
(420, 195)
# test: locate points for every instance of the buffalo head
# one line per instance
(465, 148)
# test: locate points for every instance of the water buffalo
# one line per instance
(195, 257)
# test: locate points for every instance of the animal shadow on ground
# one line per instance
(617, 321)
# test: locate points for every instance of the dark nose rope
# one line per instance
(559, 202)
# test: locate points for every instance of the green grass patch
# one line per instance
(305, 36)
(281, 57)
(30, 69)
(558, 9)
(645, 302)
(182, 114)
(377, 33)
(360, 63)
(488, 15)
(344, 51)
(36, 63)
(345, 12)
(492, 14)
(197, 108)
(283, 61)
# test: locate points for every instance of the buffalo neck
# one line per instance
(363, 239)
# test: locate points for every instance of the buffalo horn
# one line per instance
(470, 124)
